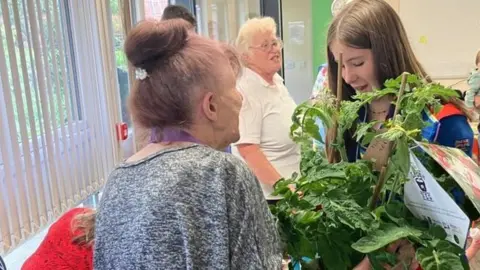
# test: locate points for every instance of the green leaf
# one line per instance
(335, 251)
(363, 130)
(281, 186)
(393, 212)
(379, 258)
(435, 232)
(401, 157)
(349, 213)
(443, 256)
(385, 235)
(393, 134)
(304, 127)
(307, 217)
(300, 246)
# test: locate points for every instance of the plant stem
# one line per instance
(331, 151)
(397, 179)
(383, 172)
(400, 93)
(341, 149)
(378, 187)
(397, 109)
(339, 81)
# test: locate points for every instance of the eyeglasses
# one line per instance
(268, 46)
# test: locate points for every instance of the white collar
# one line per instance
(249, 73)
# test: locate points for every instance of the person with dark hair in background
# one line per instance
(179, 12)
(179, 203)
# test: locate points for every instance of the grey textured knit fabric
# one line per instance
(187, 207)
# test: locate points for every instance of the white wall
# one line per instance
(298, 55)
(447, 40)
(448, 46)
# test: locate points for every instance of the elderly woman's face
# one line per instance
(222, 107)
(265, 53)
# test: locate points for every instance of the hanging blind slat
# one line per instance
(35, 189)
(73, 114)
(111, 86)
(46, 100)
(21, 187)
(98, 84)
(6, 124)
(38, 140)
(68, 138)
(86, 85)
(54, 101)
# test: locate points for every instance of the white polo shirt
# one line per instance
(265, 119)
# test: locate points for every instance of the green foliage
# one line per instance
(327, 217)
(386, 234)
(304, 128)
(441, 255)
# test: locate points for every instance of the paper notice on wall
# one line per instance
(296, 32)
(427, 200)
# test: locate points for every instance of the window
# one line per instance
(154, 8)
(27, 84)
(57, 145)
(221, 19)
(120, 57)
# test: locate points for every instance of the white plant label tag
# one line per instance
(427, 200)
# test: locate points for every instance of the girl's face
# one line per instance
(358, 68)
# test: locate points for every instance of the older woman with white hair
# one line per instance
(265, 117)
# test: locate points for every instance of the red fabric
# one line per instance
(476, 151)
(448, 110)
(57, 251)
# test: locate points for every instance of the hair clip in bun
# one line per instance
(140, 74)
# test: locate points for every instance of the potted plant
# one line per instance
(341, 212)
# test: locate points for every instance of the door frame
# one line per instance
(273, 8)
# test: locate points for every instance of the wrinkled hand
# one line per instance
(405, 256)
(475, 245)
(363, 265)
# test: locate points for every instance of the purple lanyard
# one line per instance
(173, 135)
(177, 135)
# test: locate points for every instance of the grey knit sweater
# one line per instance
(187, 207)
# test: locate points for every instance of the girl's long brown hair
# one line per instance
(374, 25)
(477, 58)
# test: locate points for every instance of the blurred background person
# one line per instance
(265, 118)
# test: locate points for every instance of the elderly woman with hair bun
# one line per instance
(265, 118)
(179, 203)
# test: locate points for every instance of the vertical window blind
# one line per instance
(58, 108)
